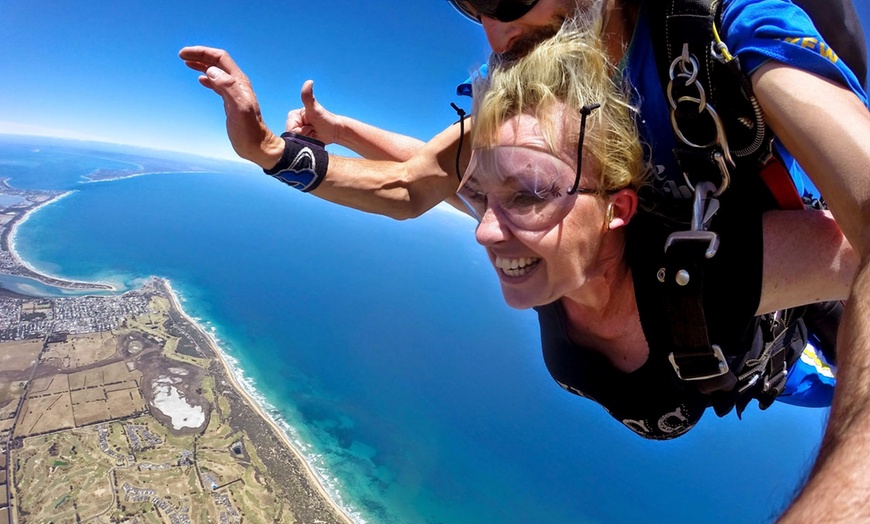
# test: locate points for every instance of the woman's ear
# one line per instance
(621, 209)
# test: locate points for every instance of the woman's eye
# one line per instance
(526, 200)
(477, 196)
(473, 196)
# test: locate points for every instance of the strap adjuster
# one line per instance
(700, 366)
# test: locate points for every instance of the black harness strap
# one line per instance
(682, 32)
(694, 357)
(701, 81)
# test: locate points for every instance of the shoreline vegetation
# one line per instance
(227, 369)
(11, 263)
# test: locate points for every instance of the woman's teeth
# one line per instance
(516, 267)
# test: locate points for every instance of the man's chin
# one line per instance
(532, 37)
(524, 45)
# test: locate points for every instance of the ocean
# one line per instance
(386, 351)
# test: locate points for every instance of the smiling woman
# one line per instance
(587, 260)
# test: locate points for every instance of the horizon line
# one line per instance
(25, 130)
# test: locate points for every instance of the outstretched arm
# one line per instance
(806, 259)
(837, 489)
(248, 134)
(396, 189)
(827, 129)
(399, 190)
(370, 142)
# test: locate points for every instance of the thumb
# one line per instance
(219, 78)
(307, 95)
(215, 73)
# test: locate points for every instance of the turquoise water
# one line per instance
(386, 349)
(29, 286)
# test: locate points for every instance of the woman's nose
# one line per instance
(493, 228)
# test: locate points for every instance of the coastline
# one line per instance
(8, 241)
(21, 268)
(215, 347)
(134, 175)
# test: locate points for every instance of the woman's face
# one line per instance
(543, 243)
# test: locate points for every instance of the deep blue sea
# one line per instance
(387, 351)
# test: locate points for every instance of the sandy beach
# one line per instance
(314, 479)
(13, 231)
(133, 175)
(8, 240)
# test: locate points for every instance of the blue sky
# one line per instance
(109, 70)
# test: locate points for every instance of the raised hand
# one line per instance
(250, 137)
(312, 119)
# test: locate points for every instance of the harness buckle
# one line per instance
(710, 237)
(699, 368)
(704, 207)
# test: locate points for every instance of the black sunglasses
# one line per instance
(501, 10)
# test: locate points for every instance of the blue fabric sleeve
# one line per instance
(762, 30)
(465, 89)
(810, 381)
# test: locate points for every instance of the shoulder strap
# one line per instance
(719, 129)
(675, 23)
(681, 32)
(717, 122)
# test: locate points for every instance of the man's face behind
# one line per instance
(513, 40)
(528, 39)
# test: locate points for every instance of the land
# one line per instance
(148, 165)
(120, 408)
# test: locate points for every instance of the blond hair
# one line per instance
(552, 83)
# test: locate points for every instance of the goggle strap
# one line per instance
(461, 113)
(584, 112)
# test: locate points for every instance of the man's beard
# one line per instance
(525, 43)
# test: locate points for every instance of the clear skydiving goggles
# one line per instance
(532, 188)
(501, 10)
(528, 187)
